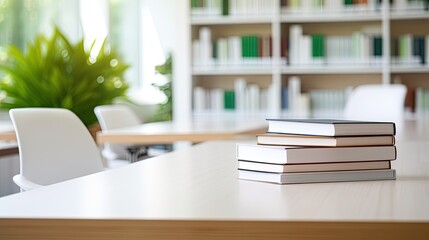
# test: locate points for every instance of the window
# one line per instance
(123, 22)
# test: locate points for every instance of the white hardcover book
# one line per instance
(323, 141)
(415, 5)
(303, 105)
(239, 11)
(233, 7)
(222, 51)
(213, 7)
(246, 103)
(330, 127)
(270, 7)
(207, 100)
(252, 7)
(240, 89)
(334, 6)
(400, 5)
(205, 46)
(306, 50)
(254, 97)
(340, 176)
(234, 50)
(263, 103)
(207, 7)
(271, 100)
(334, 47)
(306, 6)
(294, 86)
(217, 7)
(348, 48)
(365, 49)
(297, 154)
(372, 5)
(217, 99)
(199, 99)
(295, 36)
(313, 167)
(196, 60)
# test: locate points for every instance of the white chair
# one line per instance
(377, 102)
(54, 146)
(119, 116)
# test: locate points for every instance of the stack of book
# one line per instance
(319, 150)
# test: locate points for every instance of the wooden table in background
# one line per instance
(8, 145)
(7, 132)
(170, 132)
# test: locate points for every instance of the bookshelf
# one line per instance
(358, 48)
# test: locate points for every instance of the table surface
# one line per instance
(170, 132)
(8, 145)
(195, 192)
(7, 132)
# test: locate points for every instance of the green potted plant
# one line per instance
(165, 110)
(53, 72)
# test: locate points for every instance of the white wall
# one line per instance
(171, 21)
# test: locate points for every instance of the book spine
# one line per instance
(240, 88)
(295, 37)
(285, 98)
(294, 86)
(205, 46)
(229, 99)
(318, 48)
(377, 46)
(199, 99)
(225, 7)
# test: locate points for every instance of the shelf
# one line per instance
(334, 17)
(409, 15)
(230, 115)
(376, 23)
(225, 70)
(332, 70)
(229, 20)
(410, 69)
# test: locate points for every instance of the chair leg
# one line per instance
(137, 152)
(133, 153)
(144, 152)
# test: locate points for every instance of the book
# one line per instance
(312, 167)
(295, 154)
(229, 99)
(330, 127)
(306, 140)
(340, 176)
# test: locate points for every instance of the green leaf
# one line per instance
(55, 72)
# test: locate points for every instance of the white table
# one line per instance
(194, 193)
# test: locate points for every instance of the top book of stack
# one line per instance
(330, 127)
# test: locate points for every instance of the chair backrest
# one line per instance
(378, 102)
(115, 116)
(54, 145)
